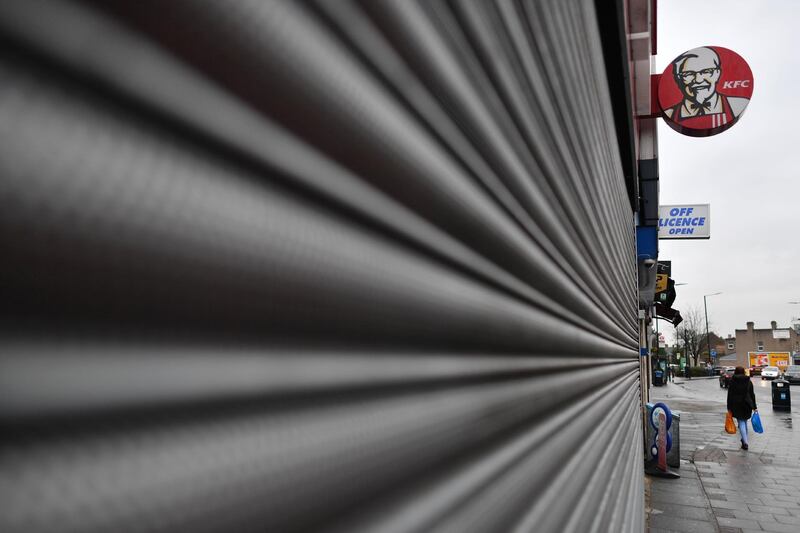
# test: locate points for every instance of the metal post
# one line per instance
(705, 307)
(708, 342)
(644, 381)
(658, 347)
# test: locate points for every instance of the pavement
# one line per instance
(724, 489)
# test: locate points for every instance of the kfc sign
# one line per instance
(705, 91)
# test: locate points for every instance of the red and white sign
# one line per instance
(705, 91)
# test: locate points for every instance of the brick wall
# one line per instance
(747, 340)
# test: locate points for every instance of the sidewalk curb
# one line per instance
(684, 380)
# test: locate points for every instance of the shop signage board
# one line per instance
(705, 91)
(691, 221)
(662, 281)
(779, 359)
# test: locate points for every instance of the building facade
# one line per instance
(772, 339)
(728, 347)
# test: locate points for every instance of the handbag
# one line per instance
(756, 421)
(730, 427)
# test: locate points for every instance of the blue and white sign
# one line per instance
(713, 353)
(684, 221)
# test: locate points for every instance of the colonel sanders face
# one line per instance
(697, 73)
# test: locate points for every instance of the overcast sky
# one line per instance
(749, 174)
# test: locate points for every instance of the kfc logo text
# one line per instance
(735, 84)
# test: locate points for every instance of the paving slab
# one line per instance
(774, 526)
(684, 525)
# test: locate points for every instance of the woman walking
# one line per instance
(741, 401)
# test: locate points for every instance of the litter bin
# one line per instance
(658, 378)
(781, 395)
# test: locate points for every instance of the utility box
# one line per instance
(781, 395)
(674, 455)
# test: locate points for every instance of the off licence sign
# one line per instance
(689, 221)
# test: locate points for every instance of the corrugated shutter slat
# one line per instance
(289, 265)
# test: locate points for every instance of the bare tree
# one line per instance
(715, 339)
(690, 333)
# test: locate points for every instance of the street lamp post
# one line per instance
(797, 332)
(705, 307)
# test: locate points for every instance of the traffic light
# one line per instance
(673, 315)
(664, 301)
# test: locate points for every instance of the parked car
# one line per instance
(770, 372)
(755, 371)
(726, 376)
(792, 374)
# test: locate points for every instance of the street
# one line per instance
(723, 488)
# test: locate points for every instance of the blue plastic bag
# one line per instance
(756, 421)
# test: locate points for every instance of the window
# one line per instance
(731, 346)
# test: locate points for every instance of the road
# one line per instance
(724, 489)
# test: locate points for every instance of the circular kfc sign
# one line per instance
(705, 91)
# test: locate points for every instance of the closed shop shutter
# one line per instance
(274, 266)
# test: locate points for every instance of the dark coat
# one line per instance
(741, 397)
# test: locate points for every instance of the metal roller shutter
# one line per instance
(336, 264)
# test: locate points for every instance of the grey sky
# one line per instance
(748, 174)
